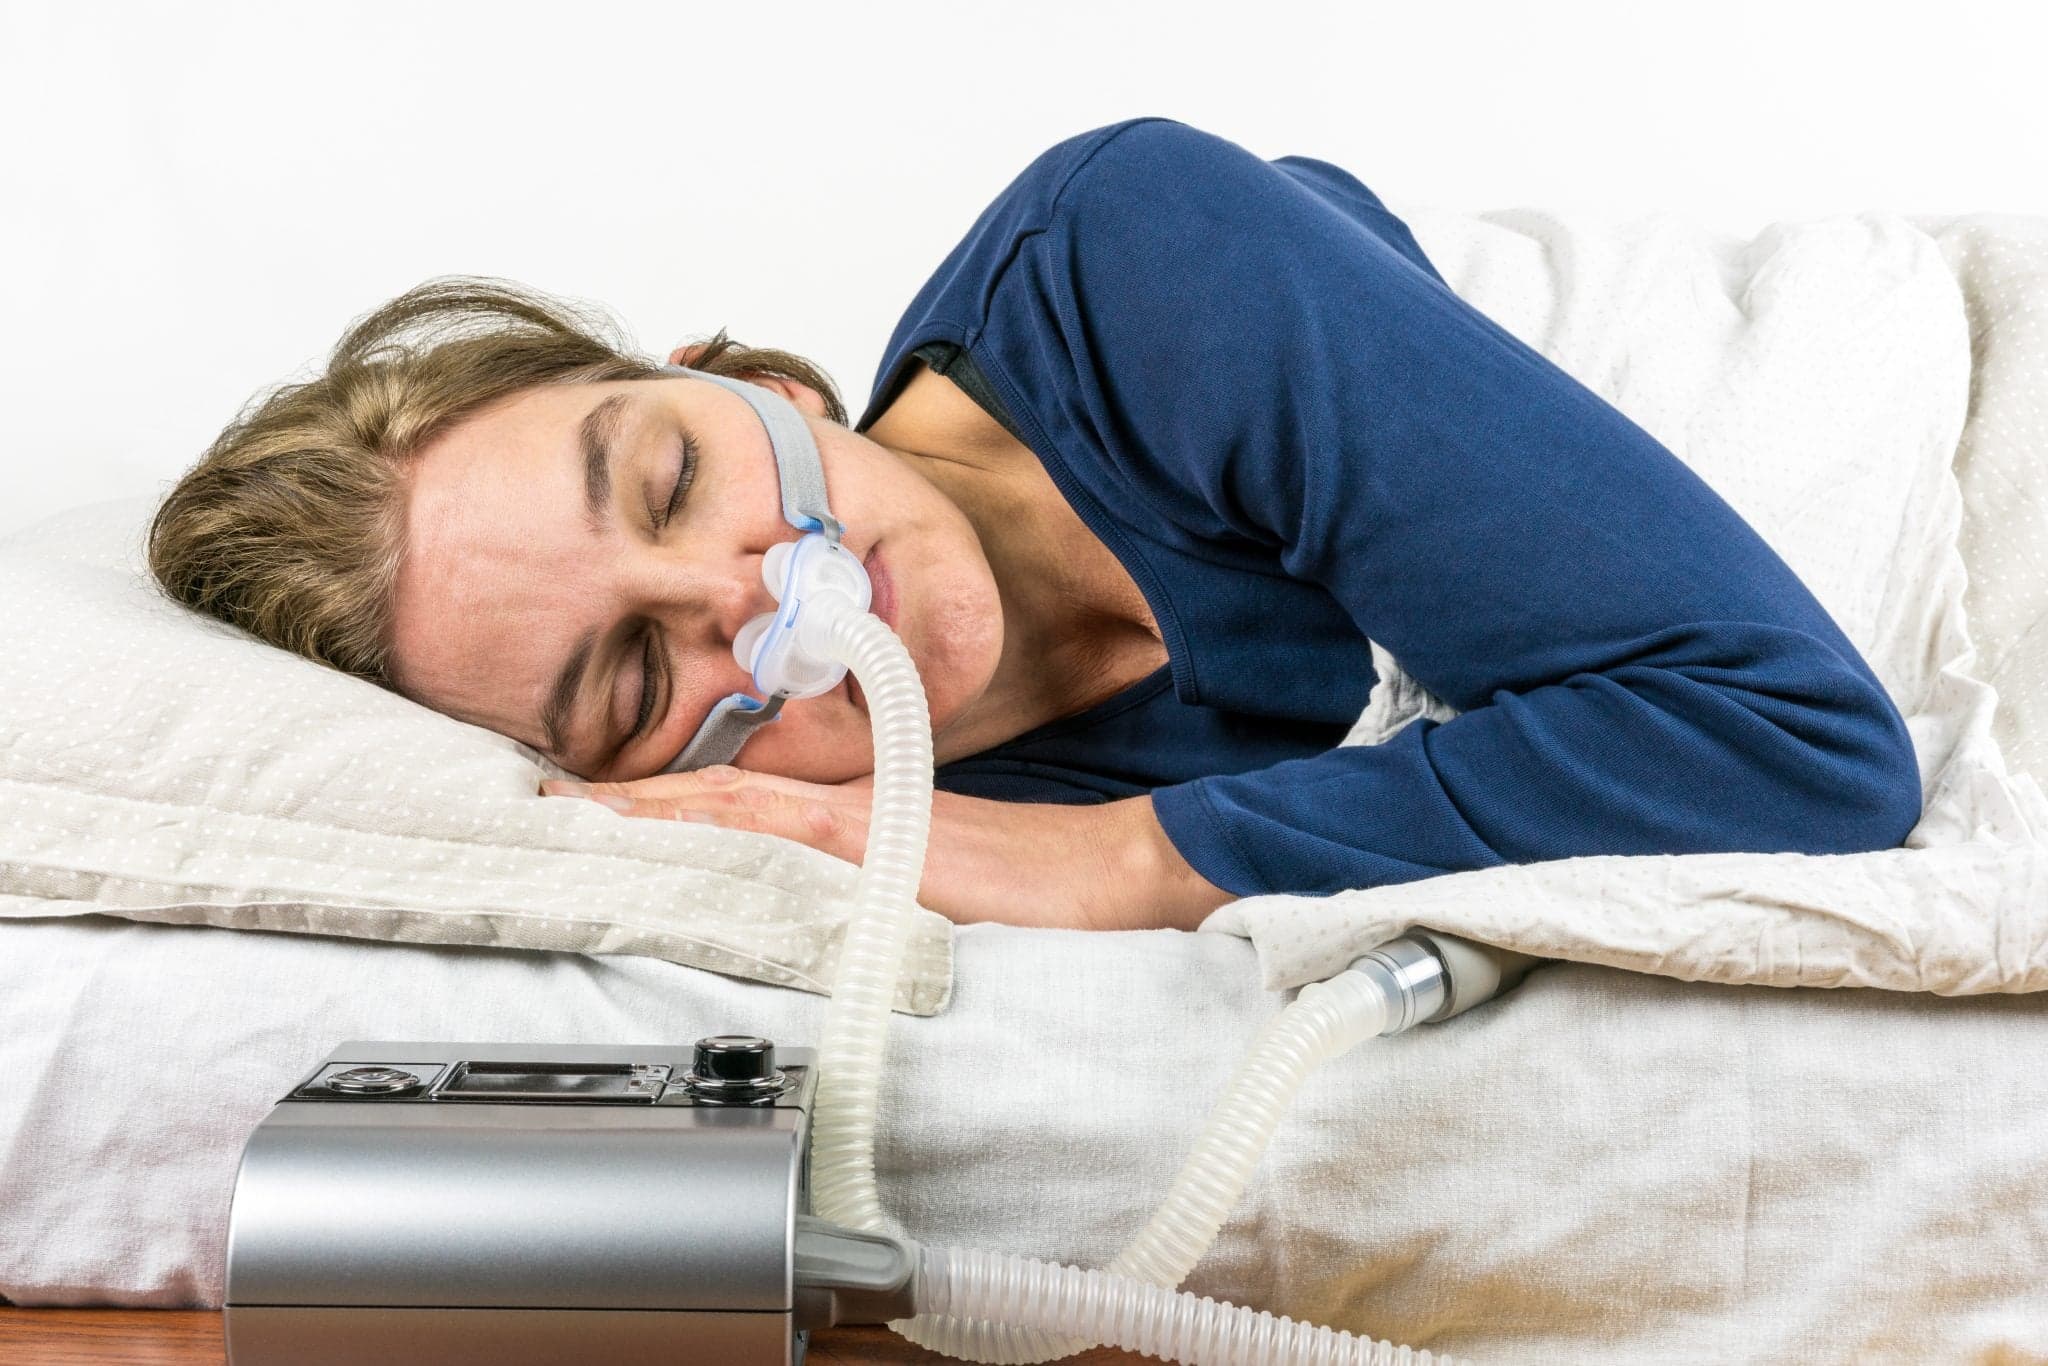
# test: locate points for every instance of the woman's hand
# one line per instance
(1018, 863)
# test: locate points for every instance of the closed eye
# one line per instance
(647, 673)
(685, 476)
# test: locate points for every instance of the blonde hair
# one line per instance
(292, 525)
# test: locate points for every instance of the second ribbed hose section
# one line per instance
(1326, 1019)
(1171, 1325)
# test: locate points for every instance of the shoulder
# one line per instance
(1155, 157)
(1155, 195)
(1162, 177)
(1150, 150)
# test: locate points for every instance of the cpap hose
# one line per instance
(993, 1307)
(885, 895)
(1121, 1312)
(1326, 1019)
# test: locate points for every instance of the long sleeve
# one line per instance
(1638, 671)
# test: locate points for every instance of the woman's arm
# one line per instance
(1151, 885)
(1106, 866)
(1263, 353)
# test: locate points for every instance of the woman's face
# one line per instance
(506, 580)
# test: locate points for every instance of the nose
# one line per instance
(707, 604)
(737, 596)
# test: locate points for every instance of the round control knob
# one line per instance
(734, 1066)
(374, 1081)
(735, 1058)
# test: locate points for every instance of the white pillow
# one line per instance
(158, 765)
(2001, 261)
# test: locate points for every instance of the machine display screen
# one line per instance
(542, 1081)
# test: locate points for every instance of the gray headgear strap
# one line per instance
(796, 454)
(802, 475)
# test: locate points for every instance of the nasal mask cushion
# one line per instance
(806, 576)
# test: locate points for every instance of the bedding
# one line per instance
(1819, 377)
(2001, 261)
(1598, 1167)
(1601, 1166)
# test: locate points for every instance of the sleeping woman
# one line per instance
(1168, 438)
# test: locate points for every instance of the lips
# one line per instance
(884, 601)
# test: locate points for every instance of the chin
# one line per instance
(829, 748)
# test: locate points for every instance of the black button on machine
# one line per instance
(735, 1067)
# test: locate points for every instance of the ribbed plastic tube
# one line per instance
(1119, 1312)
(1325, 1020)
(1014, 1310)
(884, 901)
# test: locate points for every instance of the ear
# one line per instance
(806, 399)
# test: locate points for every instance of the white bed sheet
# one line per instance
(1599, 1167)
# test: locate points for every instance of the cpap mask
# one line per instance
(807, 570)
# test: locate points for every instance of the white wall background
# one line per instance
(200, 197)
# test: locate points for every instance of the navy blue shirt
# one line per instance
(1251, 384)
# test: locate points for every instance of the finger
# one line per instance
(804, 820)
(660, 808)
(723, 776)
(738, 800)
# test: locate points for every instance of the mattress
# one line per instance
(1599, 1166)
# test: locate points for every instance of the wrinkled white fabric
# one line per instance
(1599, 1167)
(2002, 467)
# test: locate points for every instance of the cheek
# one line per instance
(818, 740)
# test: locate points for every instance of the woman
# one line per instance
(1169, 436)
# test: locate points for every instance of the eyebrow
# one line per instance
(596, 435)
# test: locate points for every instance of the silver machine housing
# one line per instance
(495, 1204)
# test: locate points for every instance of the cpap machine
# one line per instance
(494, 1204)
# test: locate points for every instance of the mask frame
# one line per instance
(801, 473)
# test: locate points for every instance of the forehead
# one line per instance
(511, 464)
(535, 424)
(495, 575)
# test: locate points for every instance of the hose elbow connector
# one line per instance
(848, 1275)
(1427, 976)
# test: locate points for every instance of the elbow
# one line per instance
(1861, 775)
(1884, 802)
(1820, 761)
